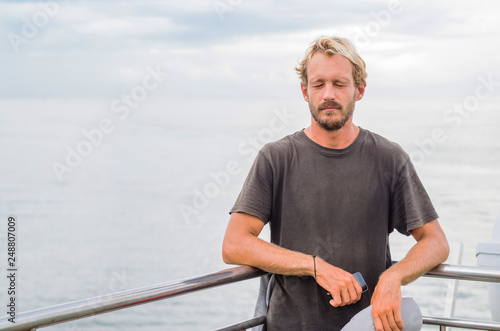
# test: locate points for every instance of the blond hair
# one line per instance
(330, 46)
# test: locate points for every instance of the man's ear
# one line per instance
(304, 92)
(360, 91)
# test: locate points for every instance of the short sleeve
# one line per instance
(256, 196)
(411, 206)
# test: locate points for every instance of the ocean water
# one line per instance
(107, 201)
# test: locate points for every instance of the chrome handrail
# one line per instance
(110, 302)
(462, 272)
(461, 323)
(125, 299)
(443, 322)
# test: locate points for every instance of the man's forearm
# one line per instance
(261, 254)
(430, 250)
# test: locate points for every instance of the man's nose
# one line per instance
(329, 93)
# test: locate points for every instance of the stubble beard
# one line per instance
(329, 123)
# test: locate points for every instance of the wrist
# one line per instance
(318, 267)
(391, 276)
(313, 266)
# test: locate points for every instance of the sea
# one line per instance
(109, 198)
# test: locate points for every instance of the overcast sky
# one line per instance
(240, 48)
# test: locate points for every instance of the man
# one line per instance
(332, 193)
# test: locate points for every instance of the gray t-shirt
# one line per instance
(338, 204)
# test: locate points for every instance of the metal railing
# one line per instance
(125, 299)
(89, 307)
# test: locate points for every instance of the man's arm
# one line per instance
(242, 246)
(430, 250)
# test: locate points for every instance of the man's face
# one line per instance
(330, 91)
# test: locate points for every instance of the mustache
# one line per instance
(330, 104)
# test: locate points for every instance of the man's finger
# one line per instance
(392, 322)
(399, 319)
(359, 290)
(385, 324)
(353, 295)
(346, 297)
(378, 323)
(336, 299)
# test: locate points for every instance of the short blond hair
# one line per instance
(330, 46)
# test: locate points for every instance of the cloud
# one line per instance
(124, 27)
(96, 49)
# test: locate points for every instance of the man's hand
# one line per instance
(386, 304)
(430, 250)
(339, 283)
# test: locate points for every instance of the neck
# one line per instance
(338, 139)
